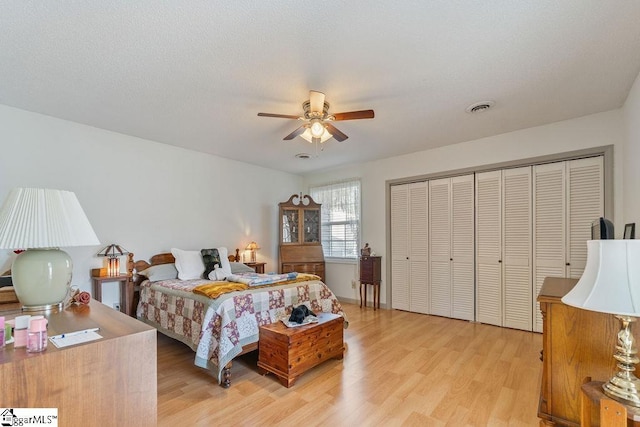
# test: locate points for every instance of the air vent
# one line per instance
(479, 107)
(303, 156)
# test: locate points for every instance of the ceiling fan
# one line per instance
(317, 127)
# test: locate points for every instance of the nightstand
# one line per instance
(257, 266)
(126, 289)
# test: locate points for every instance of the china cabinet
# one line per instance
(300, 231)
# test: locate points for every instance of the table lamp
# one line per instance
(252, 248)
(113, 253)
(41, 221)
(611, 284)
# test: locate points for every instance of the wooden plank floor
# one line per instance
(399, 368)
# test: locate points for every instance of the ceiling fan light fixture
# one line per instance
(317, 128)
(307, 135)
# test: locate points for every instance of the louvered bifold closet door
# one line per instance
(462, 248)
(440, 246)
(400, 247)
(516, 248)
(549, 237)
(419, 247)
(489, 247)
(585, 203)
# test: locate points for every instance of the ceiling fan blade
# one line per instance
(316, 101)
(335, 132)
(281, 116)
(295, 133)
(353, 115)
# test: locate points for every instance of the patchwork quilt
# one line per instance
(217, 329)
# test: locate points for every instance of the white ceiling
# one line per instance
(194, 74)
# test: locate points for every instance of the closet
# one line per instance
(451, 225)
(504, 255)
(478, 246)
(409, 247)
(568, 196)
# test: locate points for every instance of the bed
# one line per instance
(221, 328)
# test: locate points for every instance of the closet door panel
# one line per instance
(518, 297)
(440, 288)
(516, 247)
(585, 201)
(400, 294)
(549, 236)
(419, 247)
(462, 247)
(440, 246)
(419, 291)
(489, 247)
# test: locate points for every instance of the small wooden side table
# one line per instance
(370, 275)
(591, 396)
(126, 290)
(257, 266)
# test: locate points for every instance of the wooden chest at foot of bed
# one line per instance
(289, 352)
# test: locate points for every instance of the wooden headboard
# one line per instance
(167, 258)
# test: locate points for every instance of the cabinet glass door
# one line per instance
(311, 226)
(290, 226)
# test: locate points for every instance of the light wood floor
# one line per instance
(399, 369)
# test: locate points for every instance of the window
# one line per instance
(340, 218)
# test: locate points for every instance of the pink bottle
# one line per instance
(1, 331)
(20, 331)
(37, 340)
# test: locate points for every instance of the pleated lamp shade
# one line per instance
(41, 221)
(610, 282)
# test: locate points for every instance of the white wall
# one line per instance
(631, 189)
(146, 196)
(570, 135)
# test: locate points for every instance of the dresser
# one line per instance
(370, 274)
(108, 382)
(576, 344)
(300, 247)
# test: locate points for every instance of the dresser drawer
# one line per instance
(370, 269)
(316, 268)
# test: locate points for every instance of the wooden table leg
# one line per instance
(97, 290)
(127, 305)
(365, 295)
(124, 294)
(376, 296)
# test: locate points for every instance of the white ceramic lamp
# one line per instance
(41, 221)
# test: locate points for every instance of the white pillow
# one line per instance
(224, 261)
(189, 264)
(160, 272)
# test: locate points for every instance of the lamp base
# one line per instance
(625, 390)
(47, 308)
(624, 386)
(41, 278)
